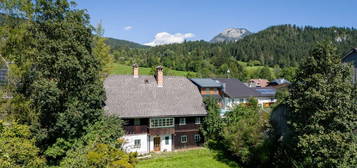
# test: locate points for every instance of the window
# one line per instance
(136, 121)
(137, 143)
(167, 140)
(3, 76)
(198, 120)
(241, 100)
(184, 139)
(161, 122)
(197, 138)
(182, 121)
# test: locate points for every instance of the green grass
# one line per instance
(200, 158)
(120, 69)
(253, 69)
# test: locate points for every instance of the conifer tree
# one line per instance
(322, 112)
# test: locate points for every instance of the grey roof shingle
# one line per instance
(130, 97)
(234, 88)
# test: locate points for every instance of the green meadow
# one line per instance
(197, 158)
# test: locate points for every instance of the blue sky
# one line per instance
(203, 19)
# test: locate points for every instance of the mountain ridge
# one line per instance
(118, 43)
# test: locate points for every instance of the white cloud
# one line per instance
(128, 27)
(167, 38)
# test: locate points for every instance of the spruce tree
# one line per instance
(322, 112)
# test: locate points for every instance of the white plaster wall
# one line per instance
(230, 103)
(163, 146)
(262, 100)
(128, 146)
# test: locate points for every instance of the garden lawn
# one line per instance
(200, 158)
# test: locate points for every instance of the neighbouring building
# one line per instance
(351, 57)
(258, 83)
(208, 86)
(279, 83)
(266, 96)
(160, 113)
(231, 92)
(235, 92)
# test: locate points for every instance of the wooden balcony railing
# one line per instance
(137, 129)
(140, 129)
(187, 127)
(160, 131)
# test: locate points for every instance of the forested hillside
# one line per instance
(277, 46)
(117, 44)
(286, 45)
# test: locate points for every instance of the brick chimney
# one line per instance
(135, 71)
(159, 76)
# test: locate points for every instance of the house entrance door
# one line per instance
(157, 144)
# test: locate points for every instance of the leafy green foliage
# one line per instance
(102, 51)
(58, 87)
(241, 134)
(213, 124)
(322, 112)
(61, 79)
(100, 147)
(244, 134)
(17, 148)
(265, 73)
(127, 70)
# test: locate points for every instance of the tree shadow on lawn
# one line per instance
(226, 158)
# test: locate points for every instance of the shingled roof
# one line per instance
(129, 97)
(234, 88)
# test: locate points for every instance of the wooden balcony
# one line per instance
(160, 131)
(187, 127)
(137, 129)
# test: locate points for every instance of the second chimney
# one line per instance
(135, 70)
(159, 76)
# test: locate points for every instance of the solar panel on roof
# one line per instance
(266, 91)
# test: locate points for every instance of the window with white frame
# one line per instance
(167, 140)
(197, 138)
(137, 143)
(182, 121)
(198, 120)
(161, 122)
(183, 138)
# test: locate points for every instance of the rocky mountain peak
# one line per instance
(231, 34)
